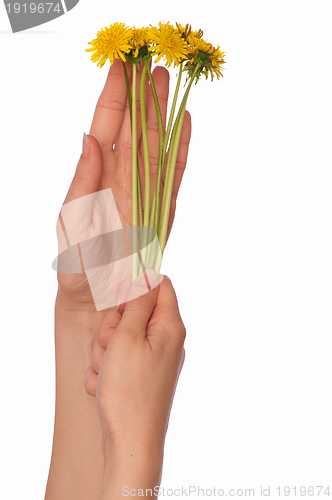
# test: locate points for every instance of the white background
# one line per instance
(250, 252)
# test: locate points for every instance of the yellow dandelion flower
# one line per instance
(139, 38)
(186, 30)
(113, 42)
(168, 43)
(209, 58)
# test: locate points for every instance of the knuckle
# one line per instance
(97, 365)
(182, 333)
(111, 104)
(103, 336)
(141, 305)
(89, 387)
(153, 160)
(106, 330)
(179, 331)
(96, 362)
(153, 127)
(162, 97)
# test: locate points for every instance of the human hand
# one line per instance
(106, 162)
(136, 360)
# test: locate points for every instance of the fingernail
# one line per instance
(120, 303)
(86, 147)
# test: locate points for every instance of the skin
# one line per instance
(77, 464)
(135, 364)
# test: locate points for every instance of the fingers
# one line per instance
(88, 172)
(90, 381)
(97, 353)
(122, 293)
(140, 303)
(99, 344)
(181, 160)
(101, 339)
(111, 106)
(108, 326)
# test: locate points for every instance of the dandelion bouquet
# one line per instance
(187, 50)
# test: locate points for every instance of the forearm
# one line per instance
(132, 469)
(77, 459)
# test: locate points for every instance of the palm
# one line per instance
(113, 164)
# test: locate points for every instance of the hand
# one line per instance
(136, 360)
(106, 161)
(77, 459)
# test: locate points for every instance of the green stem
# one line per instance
(139, 193)
(134, 175)
(171, 164)
(127, 85)
(172, 143)
(146, 150)
(146, 167)
(140, 203)
(156, 194)
(171, 115)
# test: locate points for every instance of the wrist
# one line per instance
(122, 449)
(75, 302)
(134, 464)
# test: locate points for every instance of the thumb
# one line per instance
(88, 171)
(141, 301)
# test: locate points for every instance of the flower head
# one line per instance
(186, 30)
(139, 38)
(209, 58)
(113, 42)
(168, 43)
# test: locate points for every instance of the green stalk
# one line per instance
(146, 168)
(152, 234)
(134, 190)
(156, 194)
(140, 203)
(169, 126)
(171, 164)
(171, 115)
(127, 85)
(183, 103)
(139, 193)
(155, 207)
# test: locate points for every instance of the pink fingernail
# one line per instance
(86, 146)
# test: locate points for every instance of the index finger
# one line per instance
(110, 106)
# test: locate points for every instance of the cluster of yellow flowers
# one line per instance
(176, 44)
(184, 48)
